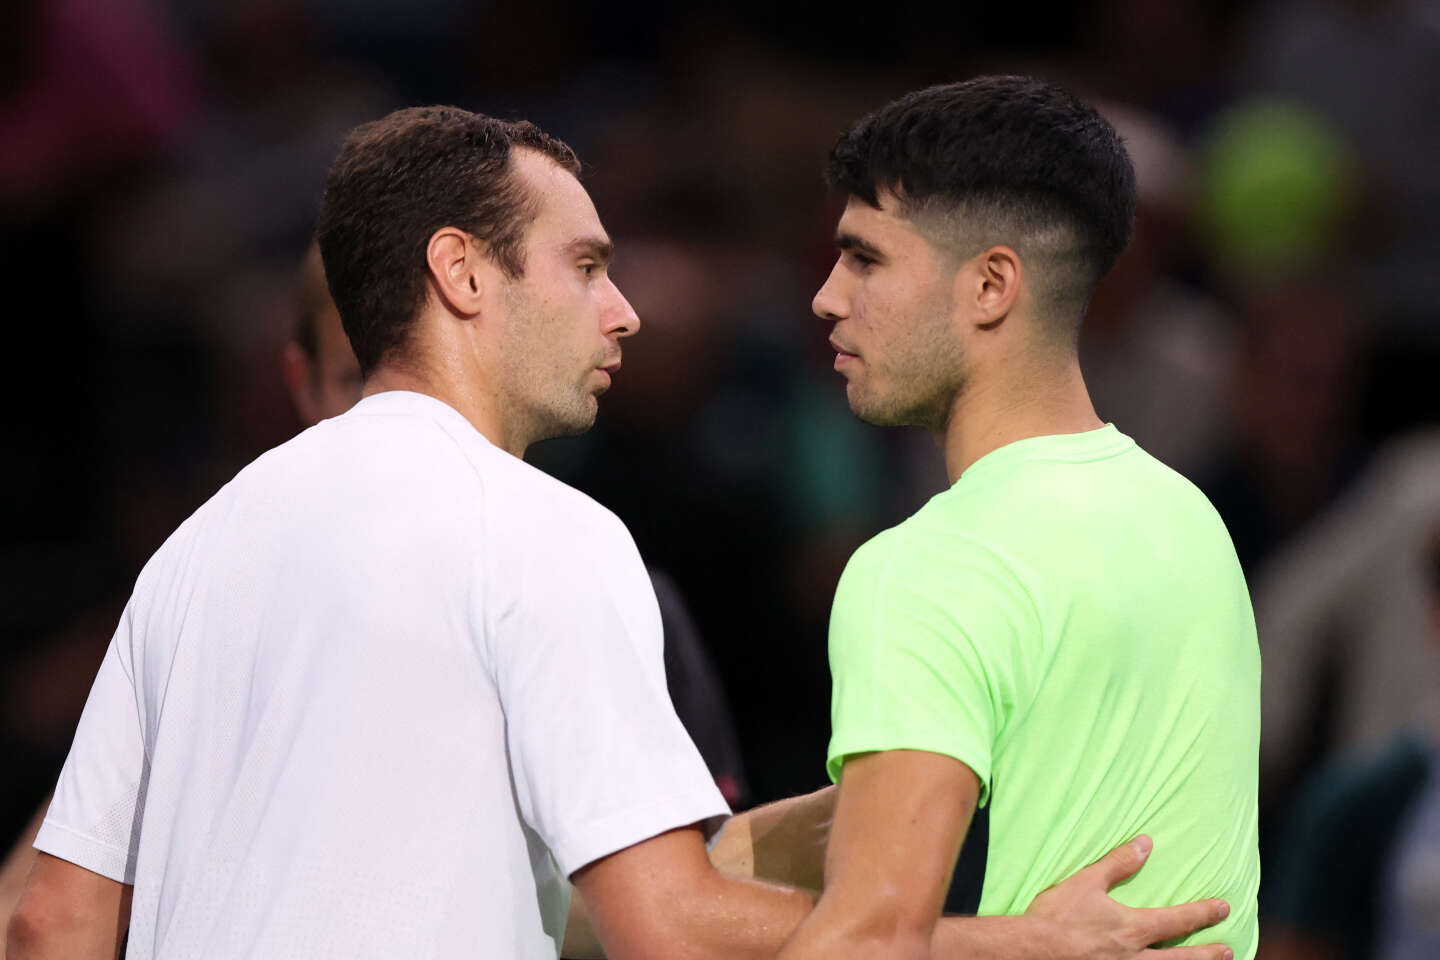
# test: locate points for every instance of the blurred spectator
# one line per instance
(1372, 68)
(1158, 355)
(1348, 601)
(1359, 874)
(320, 369)
(87, 91)
(1275, 200)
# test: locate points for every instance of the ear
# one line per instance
(456, 270)
(989, 287)
(295, 366)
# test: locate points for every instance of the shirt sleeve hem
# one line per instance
(971, 757)
(94, 855)
(587, 842)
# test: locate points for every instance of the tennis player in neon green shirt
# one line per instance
(1064, 633)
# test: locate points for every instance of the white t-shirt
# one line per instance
(378, 698)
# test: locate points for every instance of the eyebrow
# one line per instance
(849, 242)
(600, 248)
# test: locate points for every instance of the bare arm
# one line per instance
(899, 820)
(68, 912)
(1074, 920)
(17, 866)
(662, 898)
(898, 825)
(782, 841)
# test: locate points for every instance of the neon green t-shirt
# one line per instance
(1070, 621)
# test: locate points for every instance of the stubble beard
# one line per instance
(546, 400)
(924, 386)
(930, 409)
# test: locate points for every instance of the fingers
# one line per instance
(1122, 862)
(1167, 923)
(1212, 951)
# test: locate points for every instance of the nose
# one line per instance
(618, 319)
(830, 302)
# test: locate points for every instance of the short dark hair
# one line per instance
(395, 182)
(1015, 159)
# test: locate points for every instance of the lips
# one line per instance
(841, 349)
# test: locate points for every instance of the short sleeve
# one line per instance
(926, 650)
(94, 819)
(598, 756)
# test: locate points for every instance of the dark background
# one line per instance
(1272, 327)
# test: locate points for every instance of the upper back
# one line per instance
(1086, 607)
(1134, 680)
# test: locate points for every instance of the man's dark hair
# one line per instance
(1001, 159)
(399, 179)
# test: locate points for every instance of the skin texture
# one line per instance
(521, 358)
(986, 373)
(896, 347)
(899, 821)
(67, 911)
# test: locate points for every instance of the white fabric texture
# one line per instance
(378, 697)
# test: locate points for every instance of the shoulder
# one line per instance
(525, 497)
(935, 559)
(953, 533)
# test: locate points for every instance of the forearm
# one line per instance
(783, 842)
(745, 919)
(999, 938)
(662, 898)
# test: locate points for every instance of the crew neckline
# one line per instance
(1083, 447)
(410, 402)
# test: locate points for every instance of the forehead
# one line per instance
(562, 205)
(884, 228)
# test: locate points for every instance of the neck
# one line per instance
(1029, 403)
(451, 381)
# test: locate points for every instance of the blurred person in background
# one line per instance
(1371, 68)
(1345, 611)
(1159, 355)
(1275, 201)
(1065, 632)
(1358, 874)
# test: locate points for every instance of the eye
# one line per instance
(589, 269)
(860, 260)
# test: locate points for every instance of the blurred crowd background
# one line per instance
(1272, 332)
